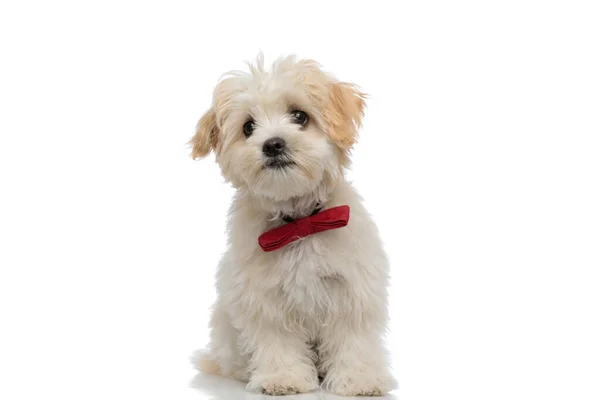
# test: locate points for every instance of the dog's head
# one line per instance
(281, 133)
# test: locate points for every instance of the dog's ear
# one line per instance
(344, 115)
(206, 136)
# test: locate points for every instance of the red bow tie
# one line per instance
(332, 218)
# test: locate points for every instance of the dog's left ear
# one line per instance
(206, 136)
(344, 115)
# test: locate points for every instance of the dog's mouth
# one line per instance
(278, 163)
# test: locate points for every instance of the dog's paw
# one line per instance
(359, 385)
(280, 389)
(284, 384)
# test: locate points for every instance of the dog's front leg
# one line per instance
(281, 361)
(354, 360)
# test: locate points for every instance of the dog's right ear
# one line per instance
(206, 135)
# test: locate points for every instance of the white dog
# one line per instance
(308, 301)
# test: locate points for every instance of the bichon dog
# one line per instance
(302, 287)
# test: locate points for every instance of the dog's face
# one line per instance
(281, 133)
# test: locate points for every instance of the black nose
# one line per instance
(274, 146)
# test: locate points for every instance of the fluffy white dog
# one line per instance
(309, 302)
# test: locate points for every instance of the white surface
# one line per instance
(479, 159)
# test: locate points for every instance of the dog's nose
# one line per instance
(273, 147)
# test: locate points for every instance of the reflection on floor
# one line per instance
(218, 388)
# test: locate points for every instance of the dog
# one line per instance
(302, 286)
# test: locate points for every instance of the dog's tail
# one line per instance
(205, 363)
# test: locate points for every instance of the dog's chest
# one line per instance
(307, 270)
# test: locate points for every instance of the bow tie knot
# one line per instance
(304, 227)
(332, 218)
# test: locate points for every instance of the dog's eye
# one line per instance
(249, 128)
(299, 117)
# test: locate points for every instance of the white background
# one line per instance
(479, 159)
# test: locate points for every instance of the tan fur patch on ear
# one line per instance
(206, 137)
(344, 113)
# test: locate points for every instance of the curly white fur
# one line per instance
(317, 307)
